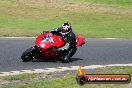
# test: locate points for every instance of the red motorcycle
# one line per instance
(45, 45)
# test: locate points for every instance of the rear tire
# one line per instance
(67, 58)
(74, 49)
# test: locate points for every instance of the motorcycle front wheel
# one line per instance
(30, 54)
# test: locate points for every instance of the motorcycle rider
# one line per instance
(65, 31)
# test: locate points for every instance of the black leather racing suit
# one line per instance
(69, 39)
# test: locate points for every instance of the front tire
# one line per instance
(30, 54)
(27, 55)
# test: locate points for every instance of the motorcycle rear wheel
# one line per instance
(67, 57)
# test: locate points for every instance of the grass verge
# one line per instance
(91, 18)
(67, 79)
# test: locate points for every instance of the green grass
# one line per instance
(98, 20)
(120, 3)
(19, 77)
(69, 81)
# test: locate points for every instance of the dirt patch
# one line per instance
(47, 8)
(98, 8)
(31, 8)
(40, 76)
(43, 3)
(3, 82)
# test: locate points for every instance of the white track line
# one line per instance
(110, 38)
(58, 69)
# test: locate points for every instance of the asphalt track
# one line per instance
(94, 52)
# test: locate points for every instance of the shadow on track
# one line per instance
(54, 60)
(75, 59)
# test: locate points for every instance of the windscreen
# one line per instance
(48, 38)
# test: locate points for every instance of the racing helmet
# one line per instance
(66, 28)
